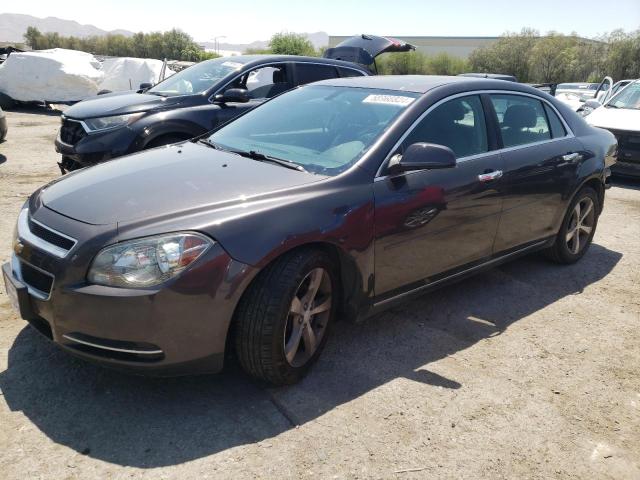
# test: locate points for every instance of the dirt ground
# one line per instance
(528, 371)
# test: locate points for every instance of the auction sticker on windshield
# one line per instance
(399, 100)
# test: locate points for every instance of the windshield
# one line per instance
(197, 78)
(324, 129)
(629, 97)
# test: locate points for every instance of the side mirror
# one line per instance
(422, 156)
(592, 104)
(233, 95)
(145, 86)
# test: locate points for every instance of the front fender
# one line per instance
(189, 122)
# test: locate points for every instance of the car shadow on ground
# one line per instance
(144, 422)
(2, 157)
(36, 110)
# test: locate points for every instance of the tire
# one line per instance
(165, 140)
(565, 250)
(267, 322)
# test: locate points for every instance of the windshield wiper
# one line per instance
(254, 155)
(610, 105)
(209, 143)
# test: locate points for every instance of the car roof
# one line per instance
(262, 58)
(423, 83)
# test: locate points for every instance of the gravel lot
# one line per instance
(528, 371)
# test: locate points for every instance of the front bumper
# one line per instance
(96, 147)
(176, 329)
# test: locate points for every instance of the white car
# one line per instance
(621, 116)
(574, 95)
(590, 105)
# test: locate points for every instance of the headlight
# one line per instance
(107, 123)
(147, 261)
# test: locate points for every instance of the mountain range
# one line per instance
(13, 26)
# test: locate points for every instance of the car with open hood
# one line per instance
(199, 98)
(336, 199)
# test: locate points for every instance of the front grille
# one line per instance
(50, 236)
(71, 132)
(35, 278)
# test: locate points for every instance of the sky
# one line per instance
(248, 20)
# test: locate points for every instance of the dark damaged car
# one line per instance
(199, 98)
(337, 199)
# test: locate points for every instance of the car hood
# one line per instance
(615, 118)
(165, 182)
(120, 104)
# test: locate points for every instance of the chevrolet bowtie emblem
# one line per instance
(18, 246)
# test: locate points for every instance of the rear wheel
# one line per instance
(284, 317)
(577, 230)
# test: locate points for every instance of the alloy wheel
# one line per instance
(580, 225)
(308, 317)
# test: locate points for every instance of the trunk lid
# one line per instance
(363, 49)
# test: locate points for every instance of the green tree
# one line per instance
(551, 58)
(445, 64)
(406, 63)
(174, 45)
(509, 55)
(623, 54)
(257, 51)
(291, 44)
(32, 37)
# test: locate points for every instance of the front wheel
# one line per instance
(577, 230)
(284, 317)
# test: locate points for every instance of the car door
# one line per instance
(430, 221)
(262, 83)
(541, 159)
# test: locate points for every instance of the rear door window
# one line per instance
(309, 72)
(522, 120)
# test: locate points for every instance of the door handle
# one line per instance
(571, 157)
(490, 176)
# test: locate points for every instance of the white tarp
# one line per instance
(60, 75)
(128, 73)
(50, 75)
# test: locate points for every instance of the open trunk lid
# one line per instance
(363, 49)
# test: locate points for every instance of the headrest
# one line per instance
(520, 116)
(279, 76)
(450, 112)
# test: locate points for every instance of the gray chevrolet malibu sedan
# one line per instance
(337, 199)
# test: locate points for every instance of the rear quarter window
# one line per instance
(350, 72)
(557, 128)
